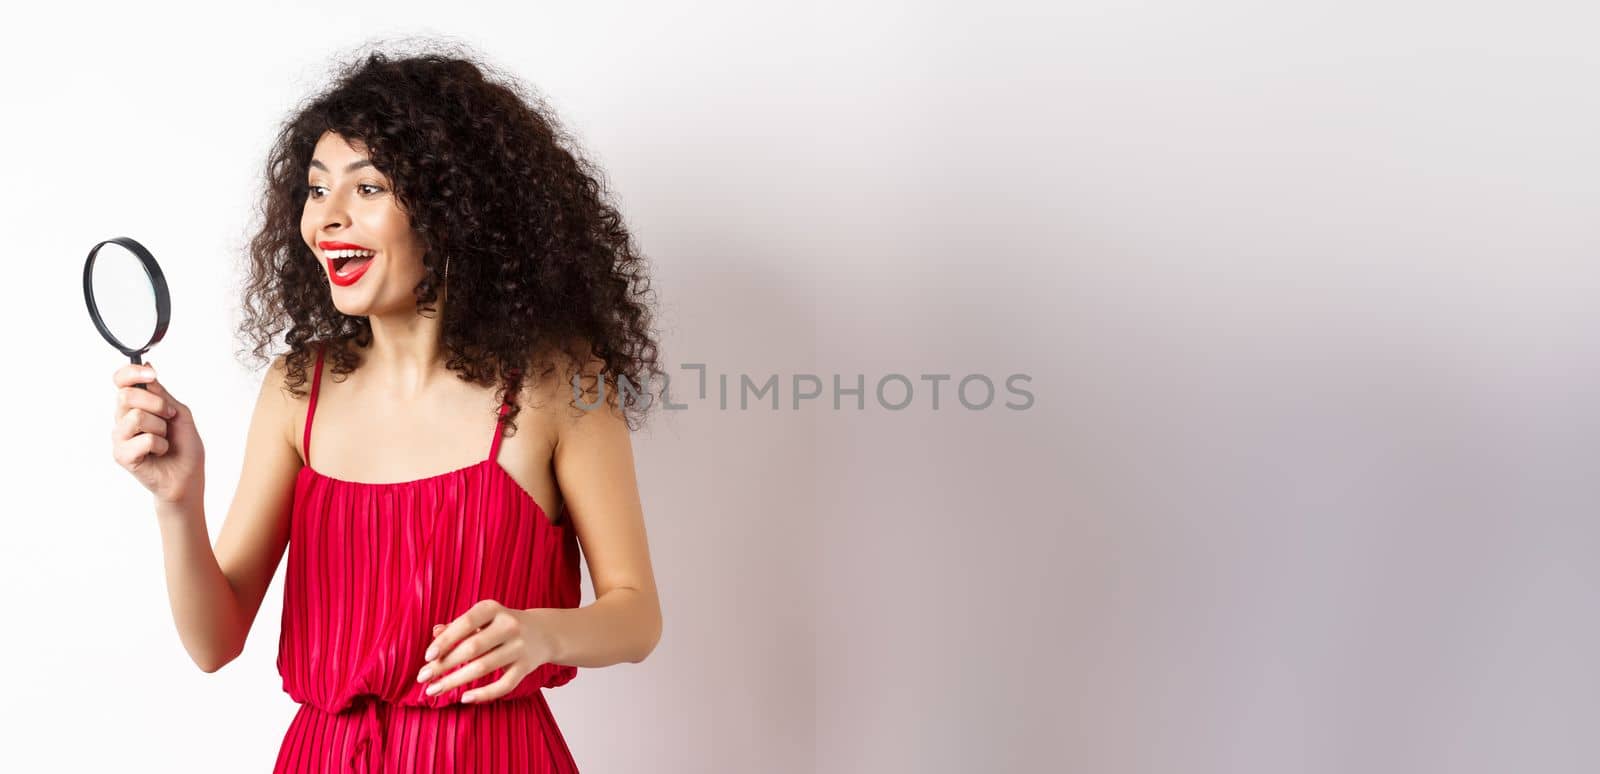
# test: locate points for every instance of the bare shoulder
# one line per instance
(283, 409)
(568, 394)
(275, 397)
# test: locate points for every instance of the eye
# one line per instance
(312, 190)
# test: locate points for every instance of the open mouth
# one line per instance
(345, 267)
(348, 265)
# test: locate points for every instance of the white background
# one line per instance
(1306, 292)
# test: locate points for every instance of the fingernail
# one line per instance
(422, 677)
(432, 651)
(172, 412)
(467, 698)
(147, 373)
(432, 689)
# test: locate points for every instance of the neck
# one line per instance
(407, 353)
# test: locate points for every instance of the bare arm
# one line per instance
(215, 595)
(595, 470)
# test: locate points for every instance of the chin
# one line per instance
(352, 301)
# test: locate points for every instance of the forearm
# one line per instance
(622, 625)
(204, 606)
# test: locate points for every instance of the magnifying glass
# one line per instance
(127, 296)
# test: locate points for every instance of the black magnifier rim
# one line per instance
(158, 283)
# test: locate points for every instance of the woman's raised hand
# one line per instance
(154, 438)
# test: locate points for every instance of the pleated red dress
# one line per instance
(372, 567)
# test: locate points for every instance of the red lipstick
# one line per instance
(346, 280)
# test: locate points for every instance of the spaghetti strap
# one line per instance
(505, 407)
(311, 410)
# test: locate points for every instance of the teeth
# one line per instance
(349, 253)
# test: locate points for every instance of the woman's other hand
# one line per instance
(487, 637)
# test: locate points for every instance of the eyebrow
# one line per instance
(351, 167)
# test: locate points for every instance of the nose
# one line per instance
(334, 215)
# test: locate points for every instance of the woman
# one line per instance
(428, 238)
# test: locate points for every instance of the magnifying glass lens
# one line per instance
(123, 295)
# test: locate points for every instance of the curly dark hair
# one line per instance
(489, 178)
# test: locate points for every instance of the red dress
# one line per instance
(372, 567)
